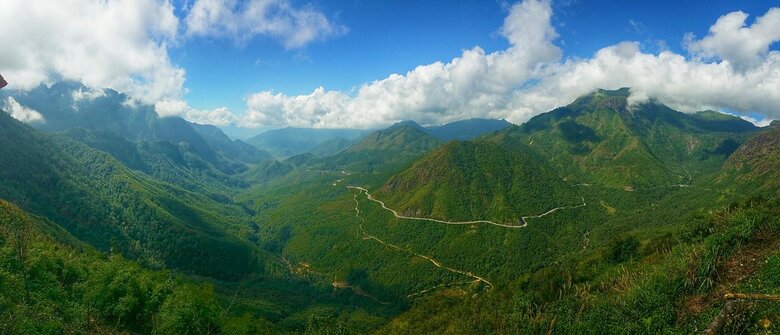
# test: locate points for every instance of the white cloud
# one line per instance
(671, 78)
(219, 116)
(729, 39)
(20, 112)
(119, 44)
(243, 20)
(474, 84)
(760, 123)
(529, 78)
(88, 94)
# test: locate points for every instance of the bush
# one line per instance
(622, 249)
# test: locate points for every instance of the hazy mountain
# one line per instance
(466, 129)
(287, 142)
(236, 149)
(331, 147)
(68, 105)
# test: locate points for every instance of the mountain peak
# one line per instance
(604, 99)
(623, 92)
(406, 123)
(400, 136)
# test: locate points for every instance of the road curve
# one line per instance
(428, 258)
(522, 219)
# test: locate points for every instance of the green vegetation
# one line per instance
(650, 217)
(49, 287)
(487, 180)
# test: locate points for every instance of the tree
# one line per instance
(190, 309)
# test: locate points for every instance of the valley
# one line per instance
(325, 167)
(554, 225)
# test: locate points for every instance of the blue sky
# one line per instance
(363, 64)
(388, 37)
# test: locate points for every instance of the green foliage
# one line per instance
(477, 181)
(291, 256)
(101, 202)
(190, 309)
(622, 249)
(50, 288)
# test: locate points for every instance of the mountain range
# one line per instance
(601, 216)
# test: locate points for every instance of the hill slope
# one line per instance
(477, 180)
(466, 129)
(101, 202)
(384, 150)
(600, 139)
(755, 163)
(68, 105)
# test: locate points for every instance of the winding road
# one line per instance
(393, 246)
(522, 219)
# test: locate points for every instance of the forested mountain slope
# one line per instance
(101, 202)
(599, 138)
(756, 163)
(58, 286)
(487, 180)
(68, 105)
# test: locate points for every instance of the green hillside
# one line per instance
(177, 164)
(754, 165)
(598, 216)
(55, 287)
(477, 180)
(599, 138)
(103, 203)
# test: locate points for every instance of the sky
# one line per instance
(262, 64)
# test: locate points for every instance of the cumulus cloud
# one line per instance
(731, 40)
(87, 94)
(21, 113)
(672, 79)
(242, 20)
(171, 107)
(119, 44)
(476, 83)
(731, 67)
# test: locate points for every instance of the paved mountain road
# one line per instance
(522, 219)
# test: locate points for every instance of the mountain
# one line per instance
(235, 149)
(600, 138)
(386, 150)
(639, 218)
(266, 170)
(755, 163)
(287, 142)
(68, 105)
(466, 129)
(331, 147)
(406, 136)
(383, 150)
(178, 164)
(100, 201)
(483, 180)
